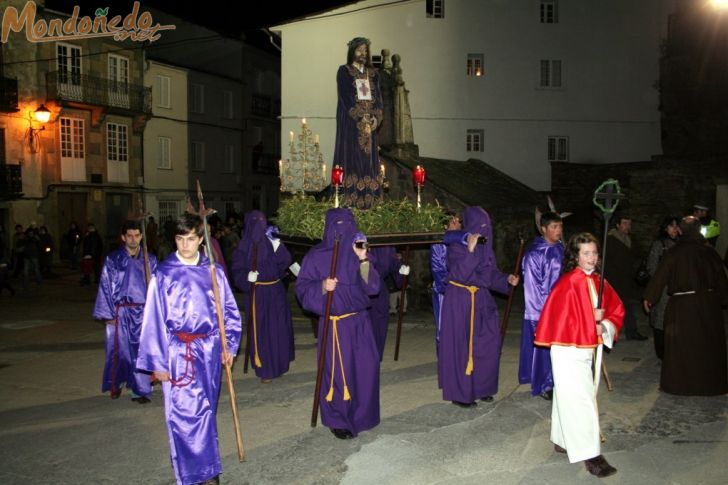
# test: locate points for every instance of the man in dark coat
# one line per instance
(694, 363)
(619, 271)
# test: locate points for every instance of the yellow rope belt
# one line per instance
(258, 363)
(335, 347)
(472, 290)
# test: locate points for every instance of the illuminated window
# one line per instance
(435, 9)
(475, 65)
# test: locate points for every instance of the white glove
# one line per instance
(295, 268)
(275, 243)
(252, 276)
(404, 270)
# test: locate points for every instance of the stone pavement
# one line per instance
(57, 427)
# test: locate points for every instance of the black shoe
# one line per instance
(559, 449)
(212, 481)
(465, 404)
(115, 394)
(141, 399)
(487, 399)
(637, 336)
(599, 467)
(548, 395)
(342, 434)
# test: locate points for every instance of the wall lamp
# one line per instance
(41, 115)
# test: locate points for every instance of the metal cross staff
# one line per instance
(204, 213)
(143, 222)
(606, 198)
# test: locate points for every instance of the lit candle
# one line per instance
(323, 170)
(290, 136)
(280, 167)
(381, 169)
(316, 139)
(303, 121)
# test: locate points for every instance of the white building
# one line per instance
(515, 83)
(166, 141)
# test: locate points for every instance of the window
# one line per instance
(549, 12)
(73, 150)
(558, 149)
(227, 105)
(197, 156)
(118, 81)
(169, 209)
(550, 74)
(475, 64)
(435, 9)
(117, 153)
(197, 98)
(68, 62)
(377, 61)
(164, 155)
(229, 161)
(474, 140)
(162, 94)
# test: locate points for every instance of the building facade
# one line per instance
(517, 84)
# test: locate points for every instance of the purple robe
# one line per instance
(438, 268)
(358, 349)
(180, 335)
(121, 295)
(541, 268)
(477, 270)
(385, 261)
(356, 148)
(272, 335)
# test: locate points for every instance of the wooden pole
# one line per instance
(507, 313)
(324, 337)
(400, 313)
(251, 303)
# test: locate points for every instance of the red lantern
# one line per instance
(337, 176)
(418, 175)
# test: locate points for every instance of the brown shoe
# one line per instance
(559, 449)
(599, 467)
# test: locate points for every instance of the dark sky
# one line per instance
(228, 16)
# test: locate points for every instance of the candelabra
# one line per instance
(304, 170)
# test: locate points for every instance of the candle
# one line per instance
(418, 175)
(323, 170)
(280, 167)
(303, 121)
(316, 139)
(290, 136)
(337, 175)
(381, 169)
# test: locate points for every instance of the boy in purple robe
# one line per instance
(269, 321)
(470, 342)
(350, 390)
(120, 303)
(541, 268)
(388, 265)
(180, 345)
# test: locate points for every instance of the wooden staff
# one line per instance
(324, 337)
(400, 313)
(147, 268)
(220, 322)
(251, 304)
(512, 291)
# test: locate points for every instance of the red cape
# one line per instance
(568, 315)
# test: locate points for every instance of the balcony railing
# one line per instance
(11, 182)
(83, 88)
(8, 95)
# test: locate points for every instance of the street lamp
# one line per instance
(41, 115)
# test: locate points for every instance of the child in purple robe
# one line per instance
(350, 390)
(120, 303)
(269, 321)
(470, 341)
(541, 269)
(180, 344)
